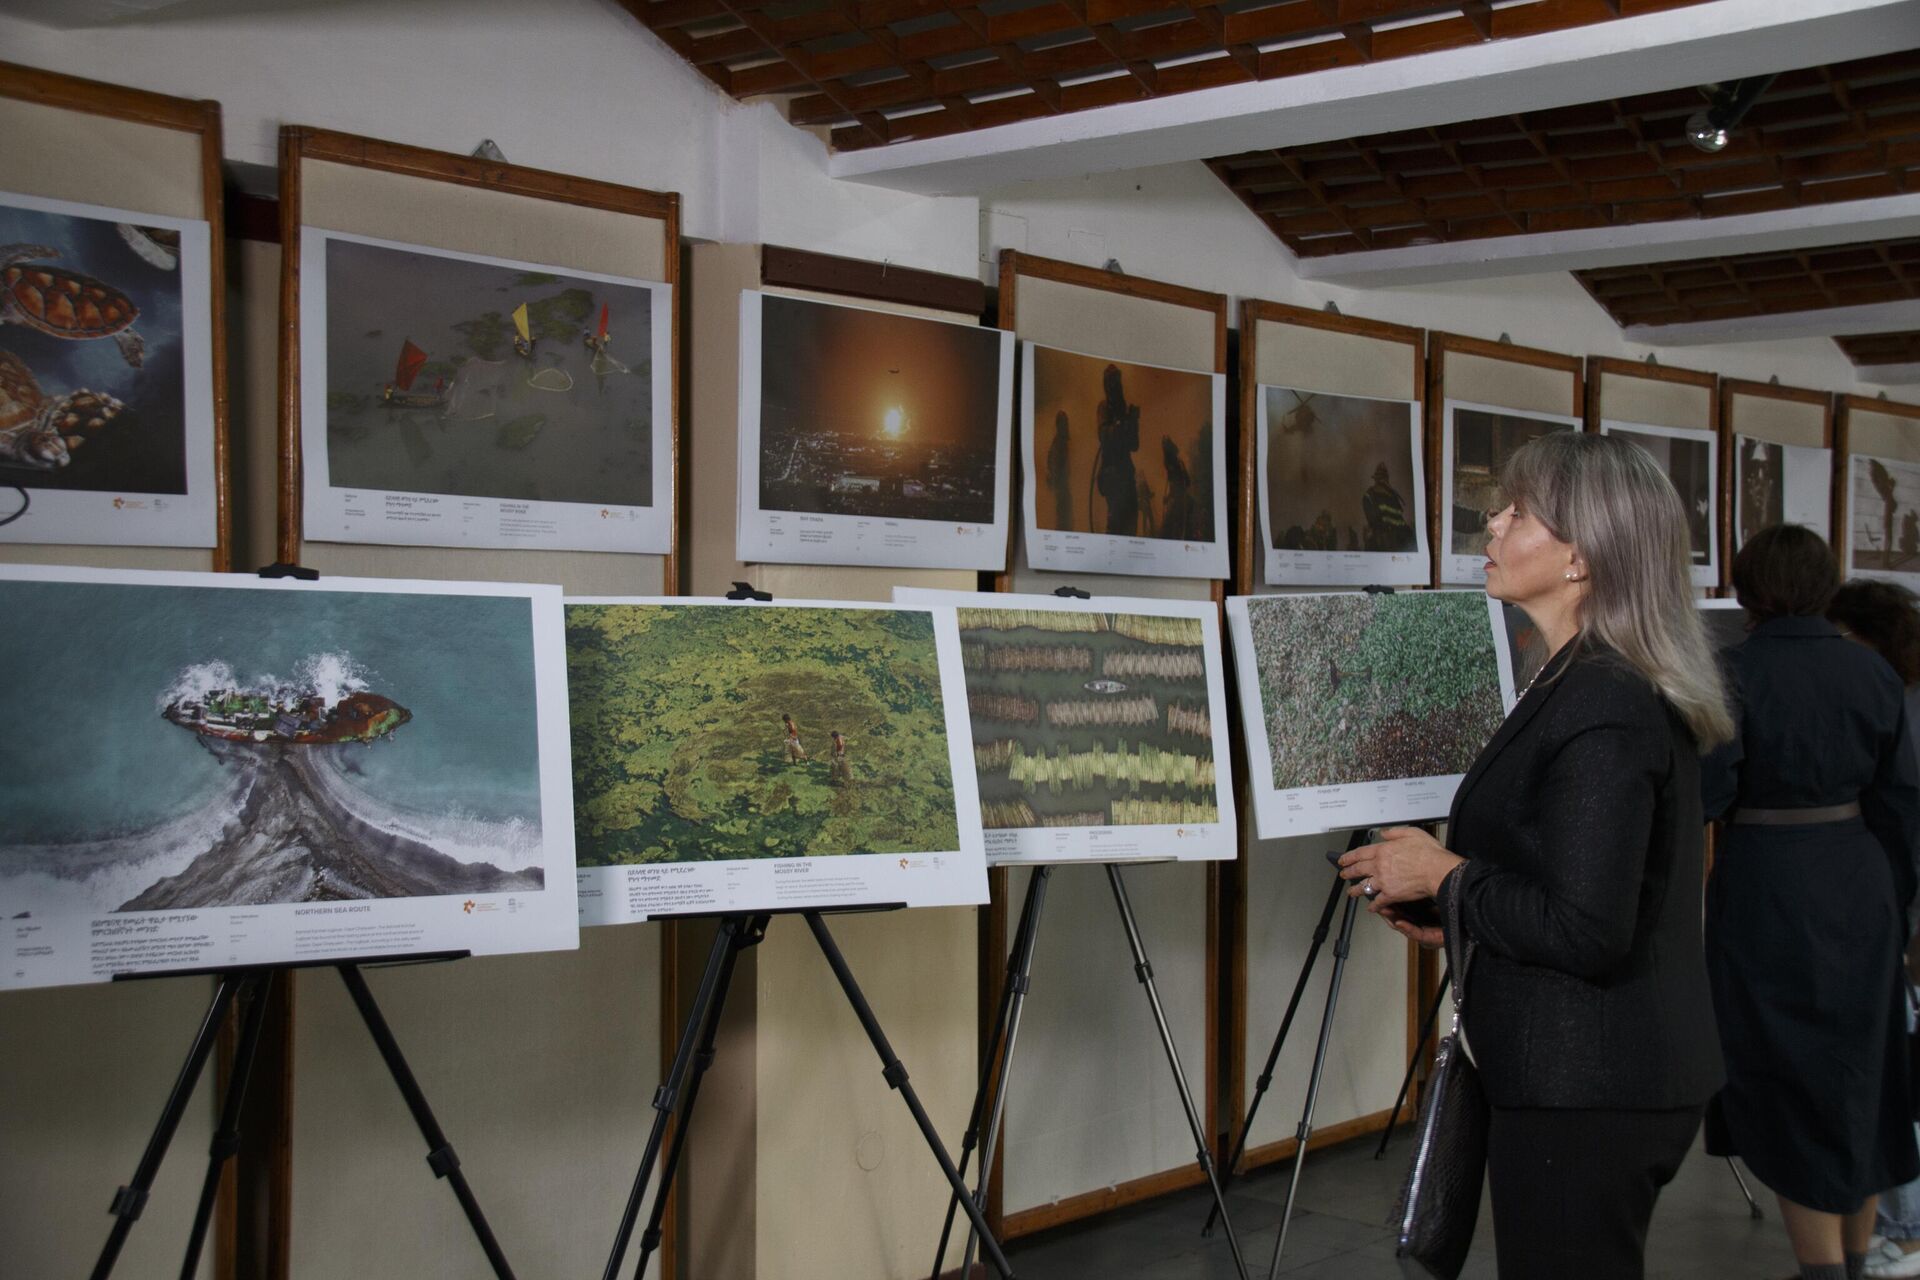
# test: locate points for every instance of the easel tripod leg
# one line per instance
(896, 1076)
(702, 1059)
(440, 1155)
(665, 1097)
(1413, 1063)
(1144, 971)
(226, 1139)
(1753, 1206)
(1341, 946)
(129, 1200)
(1018, 985)
(1279, 1041)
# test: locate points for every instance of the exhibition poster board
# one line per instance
(1125, 465)
(259, 771)
(1690, 457)
(743, 757)
(1476, 441)
(465, 400)
(1364, 708)
(1780, 484)
(1343, 490)
(1099, 726)
(869, 437)
(1883, 519)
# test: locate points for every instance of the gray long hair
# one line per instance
(1610, 499)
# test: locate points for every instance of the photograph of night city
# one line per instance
(867, 413)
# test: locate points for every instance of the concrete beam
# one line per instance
(1878, 317)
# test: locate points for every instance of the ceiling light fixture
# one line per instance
(1709, 129)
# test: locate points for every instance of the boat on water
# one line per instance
(235, 715)
(400, 393)
(1104, 686)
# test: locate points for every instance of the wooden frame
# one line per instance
(299, 143)
(1730, 390)
(1844, 407)
(994, 919)
(187, 115)
(1253, 313)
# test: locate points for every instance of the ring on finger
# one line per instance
(1370, 889)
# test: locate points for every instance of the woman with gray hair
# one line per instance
(1574, 864)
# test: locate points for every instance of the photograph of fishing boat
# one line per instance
(871, 413)
(446, 374)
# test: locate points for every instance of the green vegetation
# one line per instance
(534, 279)
(485, 335)
(679, 753)
(561, 317)
(1359, 688)
(347, 402)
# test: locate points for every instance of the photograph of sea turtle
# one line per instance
(1365, 687)
(1084, 719)
(447, 375)
(232, 747)
(1342, 472)
(713, 732)
(92, 379)
(1120, 448)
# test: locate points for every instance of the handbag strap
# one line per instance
(1460, 947)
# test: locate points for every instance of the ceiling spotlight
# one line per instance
(1708, 129)
(1705, 133)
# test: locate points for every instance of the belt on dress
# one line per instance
(1796, 817)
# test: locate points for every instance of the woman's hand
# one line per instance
(1430, 936)
(1406, 866)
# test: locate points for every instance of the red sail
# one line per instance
(408, 368)
(602, 335)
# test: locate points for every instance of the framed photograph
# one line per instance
(1365, 709)
(870, 437)
(254, 772)
(1099, 726)
(748, 757)
(452, 399)
(1691, 459)
(1883, 519)
(106, 375)
(1780, 484)
(1343, 490)
(1125, 466)
(1475, 442)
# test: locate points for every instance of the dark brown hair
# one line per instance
(1785, 571)
(1887, 617)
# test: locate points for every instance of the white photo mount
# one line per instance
(1071, 551)
(1183, 842)
(1471, 570)
(63, 917)
(331, 513)
(635, 892)
(1295, 568)
(1311, 810)
(1806, 477)
(1867, 534)
(765, 536)
(1707, 574)
(95, 517)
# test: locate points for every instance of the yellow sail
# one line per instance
(520, 322)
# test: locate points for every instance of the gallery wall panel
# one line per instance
(1673, 402)
(84, 1070)
(796, 1084)
(1662, 396)
(1793, 418)
(68, 139)
(1126, 1137)
(1869, 428)
(390, 191)
(1279, 886)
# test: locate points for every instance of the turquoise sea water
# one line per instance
(86, 668)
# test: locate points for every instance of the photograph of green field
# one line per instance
(1372, 688)
(1088, 719)
(706, 733)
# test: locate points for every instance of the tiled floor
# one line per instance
(1701, 1230)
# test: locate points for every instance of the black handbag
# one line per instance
(1441, 1200)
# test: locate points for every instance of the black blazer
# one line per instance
(1582, 829)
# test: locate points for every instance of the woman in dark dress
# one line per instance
(1574, 859)
(1806, 909)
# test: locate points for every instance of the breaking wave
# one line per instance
(327, 676)
(512, 845)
